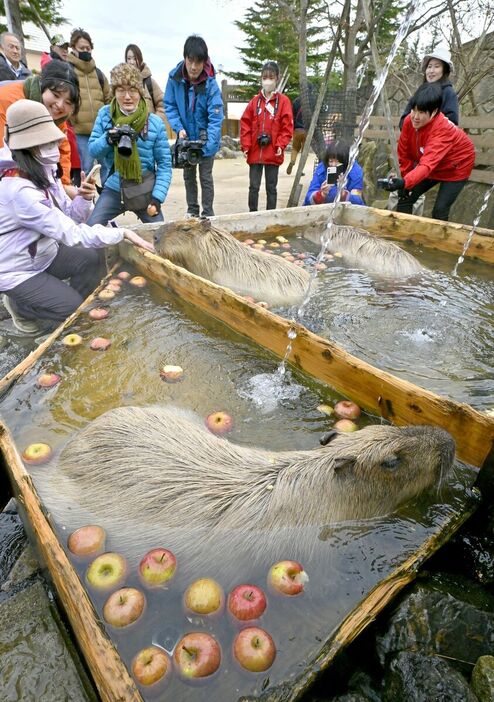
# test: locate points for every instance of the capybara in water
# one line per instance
(213, 253)
(162, 464)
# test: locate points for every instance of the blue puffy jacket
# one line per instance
(195, 107)
(154, 152)
(355, 182)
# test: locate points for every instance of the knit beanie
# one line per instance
(124, 75)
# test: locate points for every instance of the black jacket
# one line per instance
(6, 73)
(449, 106)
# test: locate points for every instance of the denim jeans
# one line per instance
(109, 205)
(271, 178)
(87, 160)
(207, 187)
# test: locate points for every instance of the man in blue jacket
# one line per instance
(194, 109)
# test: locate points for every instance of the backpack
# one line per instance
(101, 77)
(148, 82)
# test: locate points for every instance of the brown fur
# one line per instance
(214, 254)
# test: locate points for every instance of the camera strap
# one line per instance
(259, 105)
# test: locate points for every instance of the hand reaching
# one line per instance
(137, 240)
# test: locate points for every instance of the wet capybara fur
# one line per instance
(164, 465)
(213, 253)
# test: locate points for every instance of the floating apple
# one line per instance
(88, 540)
(72, 340)
(98, 313)
(337, 254)
(281, 239)
(37, 453)
(139, 281)
(106, 294)
(99, 343)
(114, 287)
(219, 423)
(320, 266)
(157, 567)
(124, 607)
(346, 409)
(150, 665)
(263, 304)
(123, 275)
(246, 602)
(345, 425)
(286, 245)
(107, 571)
(48, 380)
(290, 258)
(258, 246)
(287, 577)
(301, 256)
(249, 242)
(262, 241)
(274, 245)
(204, 596)
(115, 281)
(326, 409)
(172, 374)
(254, 649)
(197, 655)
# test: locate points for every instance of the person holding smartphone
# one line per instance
(324, 184)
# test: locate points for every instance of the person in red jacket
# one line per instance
(266, 129)
(431, 150)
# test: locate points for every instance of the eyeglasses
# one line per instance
(133, 92)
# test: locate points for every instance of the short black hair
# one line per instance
(271, 67)
(339, 150)
(31, 168)
(195, 48)
(60, 76)
(428, 97)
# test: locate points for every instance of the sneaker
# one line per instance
(26, 326)
(290, 168)
(189, 215)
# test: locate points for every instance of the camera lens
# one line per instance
(124, 147)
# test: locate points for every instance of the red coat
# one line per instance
(273, 117)
(439, 151)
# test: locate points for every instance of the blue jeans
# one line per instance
(109, 205)
(87, 160)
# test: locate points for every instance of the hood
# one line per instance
(6, 160)
(145, 71)
(83, 66)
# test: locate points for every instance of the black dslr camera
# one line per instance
(383, 183)
(264, 139)
(188, 152)
(123, 137)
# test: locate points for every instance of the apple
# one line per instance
(98, 313)
(254, 649)
(48, 380)
(326, 409)
(285, 254)
(320, 266)
(197, 655)
(286, 245)
(107, 571)
(172, 374)
(106, 294)
(124, 607)
(258, 246)
(263, 304)
(99, 343)
(274, 245)
(150, 666)
(219, 423)
(139, 281)
(157, 567)
(337, 254)
(281, 239)
(249, 242)
(290, 258)
(301, 256)
(72, 340)
(298, 263)
(204, 596)
(345, 425)
(37, 453)
(345, 409)
(115, 281)
(114, 287)
(123, 275)
(88, 540)
(246, 602)
(287, 577)
(263, 242)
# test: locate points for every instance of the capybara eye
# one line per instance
(391, 463)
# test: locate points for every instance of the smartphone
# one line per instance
(93, 173)
(333, 172)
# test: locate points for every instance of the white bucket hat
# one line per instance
(30, 124)
(441, 53)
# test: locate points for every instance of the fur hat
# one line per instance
(124, 75)
(441, 53)
(30, 124)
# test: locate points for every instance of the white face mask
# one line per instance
(47, 154)
(268, 85)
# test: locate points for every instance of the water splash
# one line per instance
(267, 390)
(475, 224)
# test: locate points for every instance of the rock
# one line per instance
(483, 678)
(25, 567)
(13, 541)
(415, 677)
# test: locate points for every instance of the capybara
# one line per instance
(162, 464)
(370, 253)
(213, 253)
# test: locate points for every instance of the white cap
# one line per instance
(440, 52)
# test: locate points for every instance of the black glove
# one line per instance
(394, 184)
(112, 136)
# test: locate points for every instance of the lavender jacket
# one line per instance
(31, 226)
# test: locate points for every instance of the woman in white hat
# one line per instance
(436, 68)
(40, 227)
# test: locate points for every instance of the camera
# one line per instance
(188, 152)
(383, 183)
(333, 173)
(264, 139)
(123, 137)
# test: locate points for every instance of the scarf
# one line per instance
(129, 167)
(32, 91)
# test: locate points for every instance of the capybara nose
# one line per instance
(327, 437)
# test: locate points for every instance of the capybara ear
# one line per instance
(343, 463)
(205, 224)
(328, 436)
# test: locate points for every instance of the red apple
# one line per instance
(345, 425)
(172, 374)
(286, 245)
(219, 423)
(98, 313)
(107, 571)
(72, 340)
(263, 304)
(114, 287)
(99, 343)
(106, 294)
(123, 275)
(157, 567)
(346, 409)
(124, 607)
(246, 602)
(37, 453)
(320, 266)
(287, 577)
(88, 540)
(249, 242)
(204, 596)
(197, 655)
(151, 665)
(139, 281)
(254, 649)
(115, 281)
(48, 380)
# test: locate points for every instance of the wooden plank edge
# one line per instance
(111, 677)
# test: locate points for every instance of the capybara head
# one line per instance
(179, 231)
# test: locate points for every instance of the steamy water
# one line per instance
(224, 371)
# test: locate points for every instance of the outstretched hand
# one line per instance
(137, 240)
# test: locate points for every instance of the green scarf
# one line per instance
(129, 167)
(32, 91)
